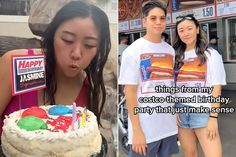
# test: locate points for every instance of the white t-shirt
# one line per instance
(147, 65)
(207, 75)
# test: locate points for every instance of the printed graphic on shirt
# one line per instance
(155, 66)
(192, 71)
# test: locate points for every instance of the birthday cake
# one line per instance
(51, 131)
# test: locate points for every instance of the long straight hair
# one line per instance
(97, 92)
(180, 46)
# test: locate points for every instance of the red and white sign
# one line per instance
(199, 13)
(226, 8)
(135, 23)
(123, 26)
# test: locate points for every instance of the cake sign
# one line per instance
(28, 73)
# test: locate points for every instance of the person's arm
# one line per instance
(213, 119)
(5, 81)
(216, 93)
(139, 141)
(217, 78)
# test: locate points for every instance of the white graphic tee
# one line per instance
(148, 65)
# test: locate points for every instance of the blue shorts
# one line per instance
(192, 120)
(162, 148)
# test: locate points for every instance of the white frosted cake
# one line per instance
(51, 131)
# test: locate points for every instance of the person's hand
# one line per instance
(178, 121)
(212, 128)
(139, 143)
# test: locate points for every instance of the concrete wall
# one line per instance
(230, 72)
(230, 67)
(16, 26)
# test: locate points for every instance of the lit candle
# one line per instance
(83, 119)
(78, 123)
(74, 116)
(85, 111)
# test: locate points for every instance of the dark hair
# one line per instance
(180, 47)
(97, 92)
(123, 36)
(213, 37)
(148, 6)
(165, 35)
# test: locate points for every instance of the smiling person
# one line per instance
(198, 66)
(147, 63)
(76, 46)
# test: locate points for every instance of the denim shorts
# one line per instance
(192, 120)
(162, 148)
